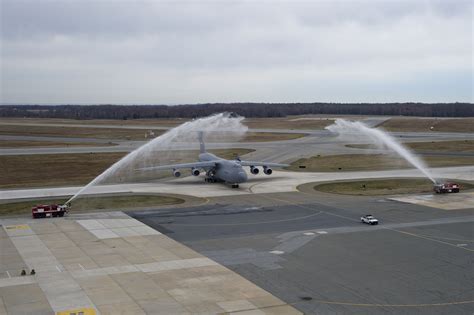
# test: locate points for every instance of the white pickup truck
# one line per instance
(369, 219)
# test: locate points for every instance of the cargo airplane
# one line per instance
(218, 169)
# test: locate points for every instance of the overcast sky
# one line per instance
(174, 52)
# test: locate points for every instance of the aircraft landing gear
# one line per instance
(235, 185)
(210, 177)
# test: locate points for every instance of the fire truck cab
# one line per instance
(448, 187)
(48, 211)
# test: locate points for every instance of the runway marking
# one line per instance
(322, 232)
(308, 233)
(17, 227)
(277, 252)
(449, 239)
(81, 311)
(430, 239)
(461, 245)
(8, 274)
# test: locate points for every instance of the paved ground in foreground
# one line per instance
(112, 264)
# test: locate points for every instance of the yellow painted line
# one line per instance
(17, 227)
(78, 311)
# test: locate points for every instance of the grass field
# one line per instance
(270, 136)
(131, 122)
(120, 134)
(366, 162)
(57, 131)
(429, 124)
(441, 146)
(377, 187)
(69, 169)
(31, 144)
(91, 203)
(290, 122)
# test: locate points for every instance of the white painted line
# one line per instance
(322, 232)
(277, 252)
(461, 245)
(8, 274)
(59, 269)
(81, 266)
(308, 233)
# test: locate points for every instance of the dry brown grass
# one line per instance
(121, 134)
(441, 146)
(53, 169)
(56, 131)
(132, 122)
(444, 146)
(425, 124)
(378, 187)
(93, 203)
(291, 122)
(42, 170)
(366, 162)
(30, 144)
(270, 136)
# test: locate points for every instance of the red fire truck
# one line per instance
(48, 211)
(448, 187)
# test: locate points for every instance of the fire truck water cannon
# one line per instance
(49, 211)
(446, 188)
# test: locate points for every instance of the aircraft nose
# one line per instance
(242, 177)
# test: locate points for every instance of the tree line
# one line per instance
(244, 109)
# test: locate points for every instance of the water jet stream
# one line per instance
(381, 139)
(222, 127)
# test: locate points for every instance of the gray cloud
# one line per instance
(201, 51)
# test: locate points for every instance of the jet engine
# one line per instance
(176, 173)
(267, 170)
(254, 170)
(195, 172)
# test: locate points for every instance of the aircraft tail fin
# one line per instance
(202, 146)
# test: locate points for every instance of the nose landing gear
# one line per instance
(235, 185)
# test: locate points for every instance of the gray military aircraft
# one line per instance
(218, 169)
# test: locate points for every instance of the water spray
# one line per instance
(381, 139)
(223, 126)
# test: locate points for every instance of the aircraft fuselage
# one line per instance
(225, 170)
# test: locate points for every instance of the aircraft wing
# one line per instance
(255, 163)
(178, 166)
